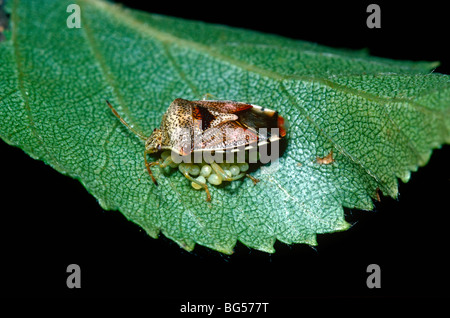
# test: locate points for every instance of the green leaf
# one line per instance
(380, 118)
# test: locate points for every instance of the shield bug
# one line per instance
(196, 127)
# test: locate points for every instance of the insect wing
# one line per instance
(253, 124)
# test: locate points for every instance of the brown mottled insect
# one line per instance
(204, 123)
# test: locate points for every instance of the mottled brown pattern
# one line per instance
(211, 125)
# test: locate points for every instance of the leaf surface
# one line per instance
(380, 118)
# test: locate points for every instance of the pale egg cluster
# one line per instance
(204, 173)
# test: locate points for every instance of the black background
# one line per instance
(50, 221)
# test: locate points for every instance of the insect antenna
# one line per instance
(140, 135)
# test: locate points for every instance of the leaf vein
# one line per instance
(337, 145)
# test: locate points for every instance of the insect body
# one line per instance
(214, 126)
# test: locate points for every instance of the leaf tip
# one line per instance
(187, 245)
(344, 226)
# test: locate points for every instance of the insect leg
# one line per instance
(162, 164)
(255, 181)
(166, 162)
(219, 171)
(148, 165)
(185, 171)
